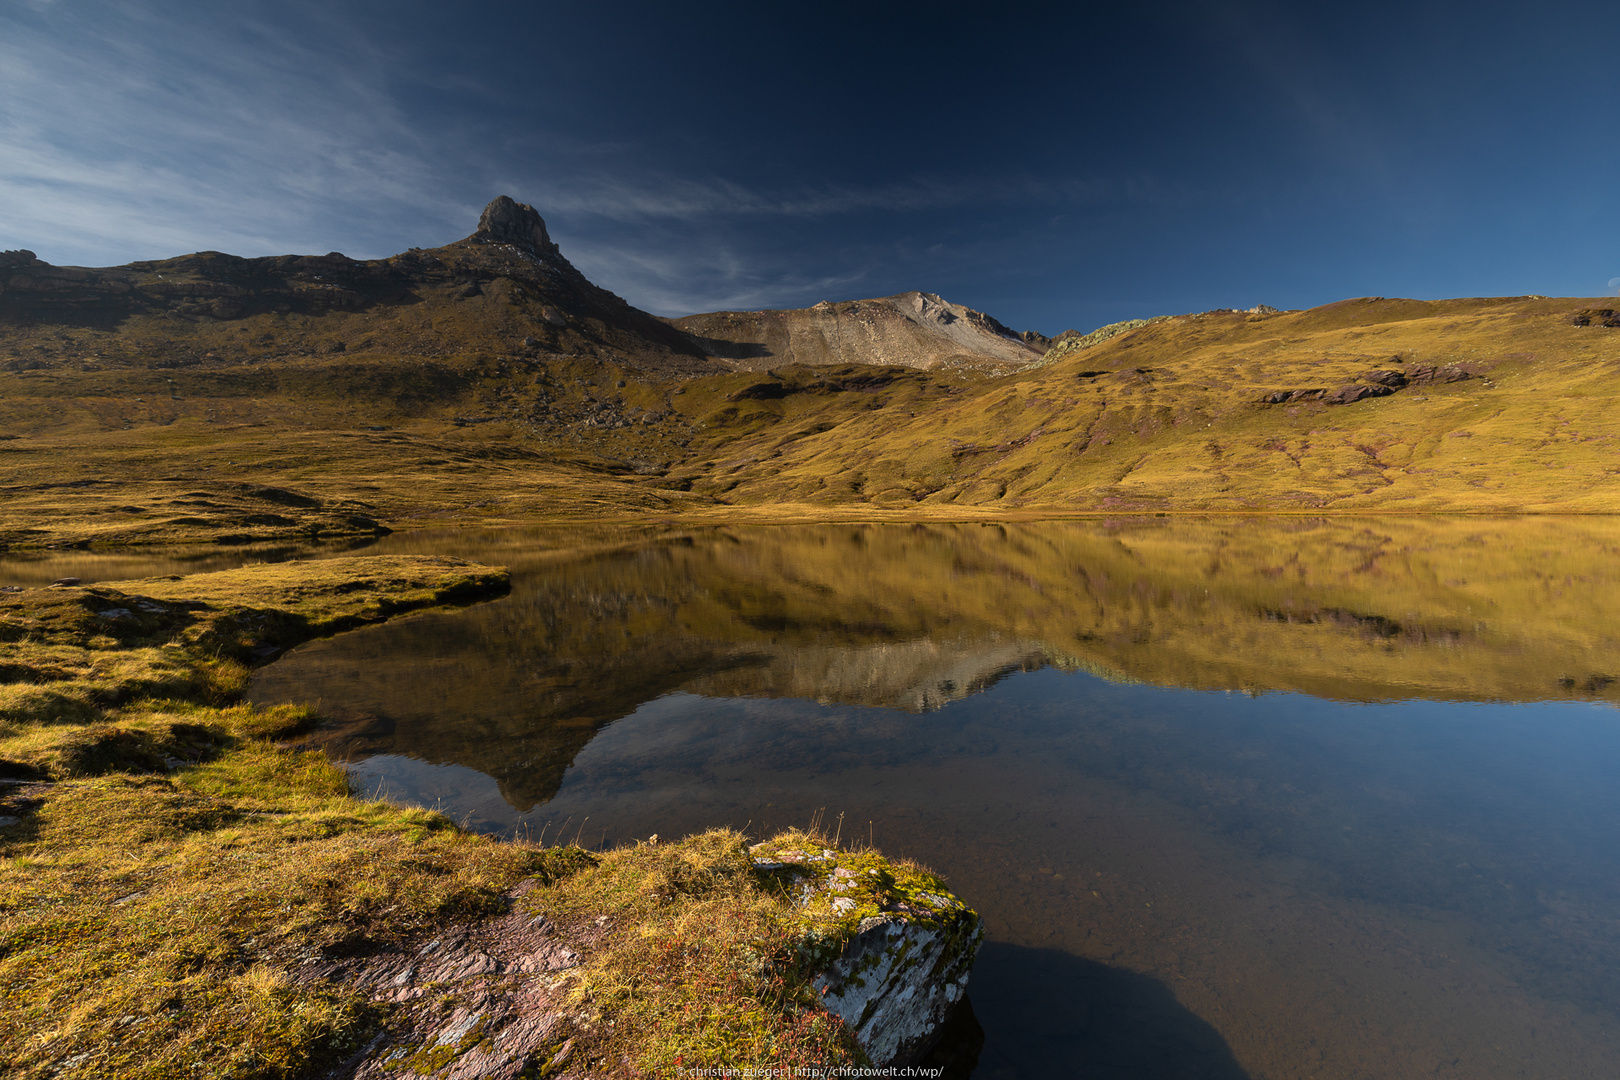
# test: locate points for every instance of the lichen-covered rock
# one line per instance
(892, 947)
(897, 980)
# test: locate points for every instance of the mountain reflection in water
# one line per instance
(912, 617)
(1236, 797)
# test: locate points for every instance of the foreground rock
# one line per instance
(882, 947)
(903, 950)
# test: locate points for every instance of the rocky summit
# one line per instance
(913, 329)
(507, 221)
(505, 288)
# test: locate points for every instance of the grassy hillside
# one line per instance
(1171, 416)
(488, 382)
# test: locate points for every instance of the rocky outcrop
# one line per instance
(893, 947)
(508, 221)
(1070, 342)
(1435, 374)
(1354, 392)
(914, 329)
(1589, 316)
(1380, 382)
(482, 1001)
(889, 949)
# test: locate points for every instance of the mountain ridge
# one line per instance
(488, 382)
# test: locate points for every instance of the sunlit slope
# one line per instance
(1171, 416)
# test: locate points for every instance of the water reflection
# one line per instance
(1236, 797)
(913, 617)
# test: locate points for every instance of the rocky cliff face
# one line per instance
(914, 329)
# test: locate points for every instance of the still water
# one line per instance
(1236, 798)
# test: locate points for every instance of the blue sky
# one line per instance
(1056, 165)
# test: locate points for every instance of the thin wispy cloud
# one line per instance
(118, 133)
(131, 132)
(718, 279)
(688, 199)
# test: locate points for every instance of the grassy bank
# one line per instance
(164, 862)
(170, 873)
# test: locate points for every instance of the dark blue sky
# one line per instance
(1056, 165)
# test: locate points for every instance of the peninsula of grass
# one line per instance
(172, 872)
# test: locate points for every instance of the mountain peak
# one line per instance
(508, 221)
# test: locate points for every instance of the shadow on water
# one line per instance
(1047, 1013)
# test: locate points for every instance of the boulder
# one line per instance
(899, 977)
(1587, 316)
(1288, 397)
(1432, 374)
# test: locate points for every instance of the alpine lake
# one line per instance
(1265, 797)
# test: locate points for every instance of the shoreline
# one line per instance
(184, 890)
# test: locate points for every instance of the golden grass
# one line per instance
(169, 866)
(149, 924)
(170, 875)
(1167, 417)
(1164, 417)
(707, 960)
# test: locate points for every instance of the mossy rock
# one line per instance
(890, 945)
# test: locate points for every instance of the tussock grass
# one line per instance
(151, 925)
(166, 870)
